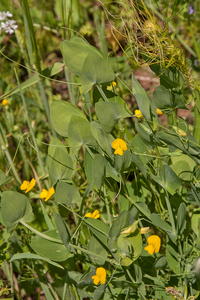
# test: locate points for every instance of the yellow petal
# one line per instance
(100, 271)
(4, 102)
(24, 185)
(155, 241)
(95, 214)
(96, 279)
(159, 112)
(123, 145)
(31, 185)
(115, 143)
(88, 215)
(51, 191)
(150, 249)
(44, 194)
(119, 151)
(138, 113)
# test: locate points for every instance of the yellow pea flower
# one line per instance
(94, 215)
(114, 83)
(138, 113)
(154, 243)
(159, 112)
(47, 194)
(4, 102)
(119, 145)
(100, 276)
(26, 185)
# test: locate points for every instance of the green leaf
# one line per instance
(172, 259)
(130, 247)
(79, 134)
(142, 207)
(170, 182)
(169, 78)
(196, 222)
(96, 247)
(111, 97)
(147, 135)
(46, 217)
(188, 147)
(103, 139)
(169, 101)
(34, 256)
(161, 263)
(158, 222)
(99, 292)
(109, 113)
(74, 53)
(120, 223)
(60, 163)
(3, 178)
(140, 147)
(98, 170)
(183, 166)
(181, 218)
(86, 62)
(139, 164)
(88, 162)
(64, 231)
(99, 228)
(123, 162)
(142, 99)
(95, 70)
(49, 249)
(67, 194)
(60, 113)
(15, 207)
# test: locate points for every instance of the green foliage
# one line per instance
(115, 179)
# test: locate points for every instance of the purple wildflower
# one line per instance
(191, 9)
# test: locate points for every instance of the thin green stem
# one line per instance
(102, 93)
(91, 253)
(8, 156)
(89, 151)
(107, 206)
(174, 117)
(11, 281)
(46, 104)
(170, 212)
(31, 130)
(40, 233)
(129, 274)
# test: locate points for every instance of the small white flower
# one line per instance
(9, 26)
(4, 15)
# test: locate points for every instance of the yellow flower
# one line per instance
(119, 145)
(94, 215)
(114, 83)
(159, 112)
(47, 194)
(138, 113)
(100, 276)
(26, 185)
(154, 243)
(4, 102)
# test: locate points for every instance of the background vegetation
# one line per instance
(66, 104)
